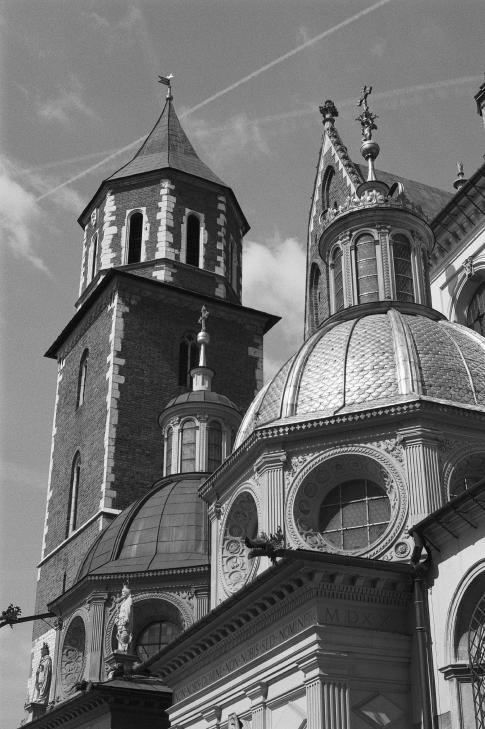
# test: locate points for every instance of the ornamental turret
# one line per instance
(199, 426)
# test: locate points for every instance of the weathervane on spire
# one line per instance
(366, 118)
(167, 81)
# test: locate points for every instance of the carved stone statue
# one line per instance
(234, 721)
(124, 620)
(43, 677)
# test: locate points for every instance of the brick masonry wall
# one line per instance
(165, 203)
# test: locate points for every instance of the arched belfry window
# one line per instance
(327, 188)
(193, 240)
(188, 447)
(82, 376)
(135, 232)
(475, 316)
(214, 445)
(72, 509)
(187, 358)
(366, 269)
(93, 256)
(315, 294)
(338, 279)
(403, 269)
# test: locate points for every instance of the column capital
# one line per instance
(101, 597)
(418, 434)
(271, 460)
(324, 665)
(213, 714)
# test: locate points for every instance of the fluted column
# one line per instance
(424, 473)
(327, 694)
(269, 469)
(96, 610)
(257, 695)
(201, 602)
(215, 525)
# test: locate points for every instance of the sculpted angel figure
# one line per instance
(124, 620)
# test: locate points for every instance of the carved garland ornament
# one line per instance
(73, 654)
(182, 600)
(235, 569)
(336, 466)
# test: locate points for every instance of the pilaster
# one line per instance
(257, 694)
(202, 454)
(215, 514)
(269, 469)
(96, 603)
(201, 602)
(327, 691)
(423, 471)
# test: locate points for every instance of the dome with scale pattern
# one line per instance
(382, 356)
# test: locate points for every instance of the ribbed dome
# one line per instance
(165, 529)
(199, 396)
(371, 360)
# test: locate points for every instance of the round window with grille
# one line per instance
(155, 637)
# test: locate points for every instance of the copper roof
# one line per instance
(167, 145)
(165, 529)
(373, 359)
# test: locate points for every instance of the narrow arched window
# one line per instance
(72, 509)
(338, 280)
(315, 294)
(366, 267)
(188, 446)
(82, 376)
(193, 240)
(168, 452)
(93, 256)
(134, 237)
(403, 269)
(187, 358)
(214, 446)
(327, 188)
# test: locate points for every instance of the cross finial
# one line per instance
(366, 91)
(203, 316)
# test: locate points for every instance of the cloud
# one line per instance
(65, 106)
(273, 280)
(19, 215)
(239, 136)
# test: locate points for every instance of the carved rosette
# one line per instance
(241, 521)
(338, 465)
(73, 655)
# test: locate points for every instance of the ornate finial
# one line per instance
(167, 81)
(203, 337)
(369, 148)
(329, 113)
(460, 180)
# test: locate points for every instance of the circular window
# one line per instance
(349, 503)
(155, 637)
(354, 514)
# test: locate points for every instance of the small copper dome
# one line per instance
(165, 529)
(374, 359)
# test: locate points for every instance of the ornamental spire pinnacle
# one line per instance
(202, 375)
(167, 81)
(369, 148)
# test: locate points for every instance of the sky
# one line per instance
(78, 84)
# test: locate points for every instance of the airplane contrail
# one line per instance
(222, 92)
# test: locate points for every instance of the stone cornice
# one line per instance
(294, 428)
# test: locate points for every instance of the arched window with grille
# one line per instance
(214, 441)
(187, 358)
(403, 269)
(135, 233)
(188, 447)
(475, 316)
(338, 280)
(366, 269)
(154, 637)
(327, 188)
(168, 451)
(72, 509)
(82, 377)
(192, 256)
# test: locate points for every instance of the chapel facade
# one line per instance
(304, 553)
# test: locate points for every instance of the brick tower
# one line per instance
(162, 237)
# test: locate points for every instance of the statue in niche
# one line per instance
(124, 620)
(43, 677)
(234, 721)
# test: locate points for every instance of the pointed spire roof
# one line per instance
(167, 145)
